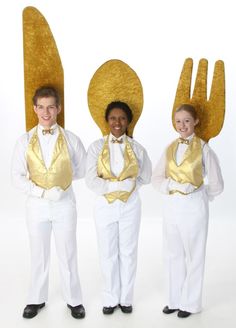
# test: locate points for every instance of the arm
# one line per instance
(93, 181)
(215, 183)
(159, 180)
(19, 171)
(145, 168)
(78, 159)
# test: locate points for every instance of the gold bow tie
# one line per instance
(183, 141)
(113, 140)
(47, 131)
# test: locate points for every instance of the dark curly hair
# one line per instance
(121, 105)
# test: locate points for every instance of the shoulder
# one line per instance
(170, 145)
(139, 149)
(202, 142)
(205, 146)
(135, 144)
(69, 134)
(96, 146)
(71, 137)
(25, 138)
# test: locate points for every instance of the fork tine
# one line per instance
(216, 103)
(200, 87)
(217, 94)
(184, 85)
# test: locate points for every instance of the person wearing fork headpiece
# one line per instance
(117, 166)
(189, 175)
(179, 176)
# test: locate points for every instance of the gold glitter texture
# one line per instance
(114, 81)
(210, 112)
(42, 64)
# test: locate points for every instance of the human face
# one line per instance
(47, 111)
(118, 122)
(185, 123)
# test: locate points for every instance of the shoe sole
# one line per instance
(81, 316)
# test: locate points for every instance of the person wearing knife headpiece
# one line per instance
(46, 159)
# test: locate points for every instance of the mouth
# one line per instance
(46, 118)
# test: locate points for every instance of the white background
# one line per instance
(153, 37)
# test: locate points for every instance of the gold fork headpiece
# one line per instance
(210, 112)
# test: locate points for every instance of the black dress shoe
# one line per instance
(31, 310)
(126, 309)
(108, 309)
(183, 314)
(167, 310)
(77, 311)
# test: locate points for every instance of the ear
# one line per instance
(58, 109)
(196, 122)
(35, 109)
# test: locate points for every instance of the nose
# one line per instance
(45, 110)
(118, 122)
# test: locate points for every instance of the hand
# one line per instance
(164, 186)
(54, 194)
(127, 184)
(124, 185)
(185, 188)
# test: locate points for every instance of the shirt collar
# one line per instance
(54, 126)
(189, 137)
(113, 137)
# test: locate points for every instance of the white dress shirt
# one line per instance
(211, 171)
(101, 186)
(19, 170)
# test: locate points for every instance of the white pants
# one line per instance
(117, 226)
(43, 217)
(185, 235)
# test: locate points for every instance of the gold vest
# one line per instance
(190, 169)
(130, 170)
(60, 171)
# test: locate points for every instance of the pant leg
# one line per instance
(194, 236)
(64, 228)
(129, 224)
(39, 229)
(174, 256)
(106, 220)
(189, 214)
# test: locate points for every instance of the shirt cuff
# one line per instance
(37, 191)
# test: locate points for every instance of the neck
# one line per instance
(117, 137)
(47, 127)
